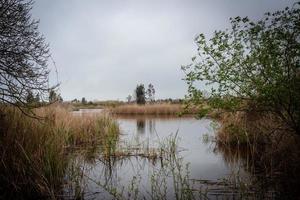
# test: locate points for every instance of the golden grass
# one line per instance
(34, 153)
(149, 109)
(79, 130)
(232, 130)
(251, 128)
(264, 145)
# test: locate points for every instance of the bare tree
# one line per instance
(151, 93)
(23, 55)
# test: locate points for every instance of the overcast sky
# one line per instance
(103, 49)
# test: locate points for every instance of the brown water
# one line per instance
(196, 170)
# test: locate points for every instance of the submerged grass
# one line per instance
(34, 153)
(112, 149)
(169, 181)
(169, 176)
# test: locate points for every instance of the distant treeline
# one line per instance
(120, 102)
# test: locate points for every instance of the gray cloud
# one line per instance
(104, 48)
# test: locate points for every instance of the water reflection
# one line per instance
(140, 125)
(88, 112)
(273, 171)
(141, 156)
(144, 165)
(151, 125)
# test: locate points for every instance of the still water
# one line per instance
(194, 170)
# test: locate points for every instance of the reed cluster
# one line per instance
(35, 153)
(250, 128)
(265, 146)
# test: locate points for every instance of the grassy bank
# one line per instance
(253, 128)
(268, 148)
(35, 153)
(151, 109)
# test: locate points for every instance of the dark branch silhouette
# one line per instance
(23, 55)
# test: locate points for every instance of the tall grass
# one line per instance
(249, 128)
(233, 130)
(34, 153)
(150, 109)
(269, 150)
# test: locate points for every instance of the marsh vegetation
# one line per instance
(147, 162)
(237, 138)
(35, 153)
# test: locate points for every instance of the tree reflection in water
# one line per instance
(140, 126)
(138, 171)
(273, 170)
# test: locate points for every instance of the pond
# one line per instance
(162, 158)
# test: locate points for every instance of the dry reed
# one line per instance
(150, 109)
(34, 153)
(267, 148)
